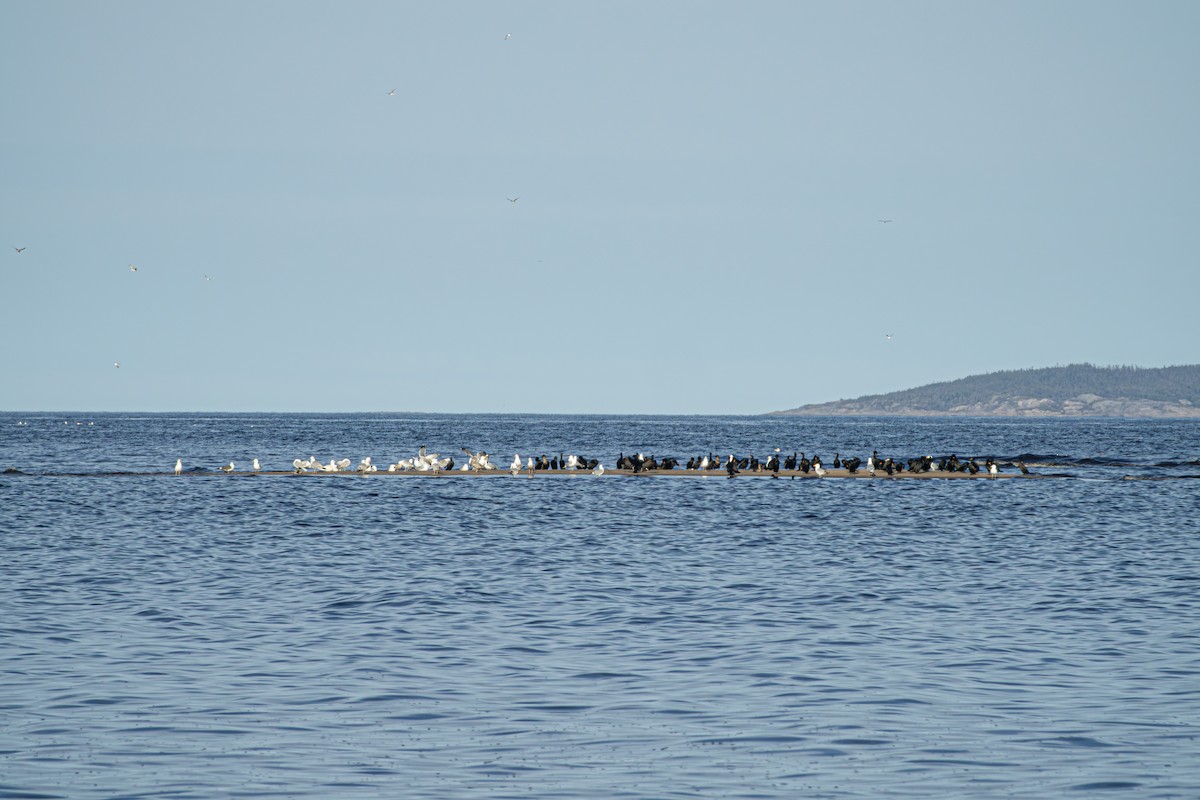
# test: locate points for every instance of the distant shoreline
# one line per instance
(1181, 414)
(1073, 391)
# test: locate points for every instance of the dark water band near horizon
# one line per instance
(576, 638)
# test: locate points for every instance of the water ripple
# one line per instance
(584, 638)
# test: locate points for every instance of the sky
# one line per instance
(700, 189)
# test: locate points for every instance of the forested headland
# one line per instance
(1072, 390)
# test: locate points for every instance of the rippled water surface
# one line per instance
(345, 636)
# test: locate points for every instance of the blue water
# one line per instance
(572, 637)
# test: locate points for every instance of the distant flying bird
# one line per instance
(506, 36)
(887, 336)
(132, 268)
(885, 220)
(207, 278)
(513, 199)
(392, 93)
(19, 249)
(117, 364)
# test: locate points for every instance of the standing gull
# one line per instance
(178, 466)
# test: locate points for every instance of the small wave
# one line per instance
(1076, 741)
(899, 701)
(557, 708)
(1038, 458)
(597, 676)
(17, 793)
(1159, 477)
(1106, 462)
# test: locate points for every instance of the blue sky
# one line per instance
(700, 187)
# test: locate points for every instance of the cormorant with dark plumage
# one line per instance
(837, 464)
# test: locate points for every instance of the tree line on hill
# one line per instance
(1164, 384)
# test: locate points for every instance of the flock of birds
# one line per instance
(638, 463)
(423, 461)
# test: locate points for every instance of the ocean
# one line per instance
(214, 635)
